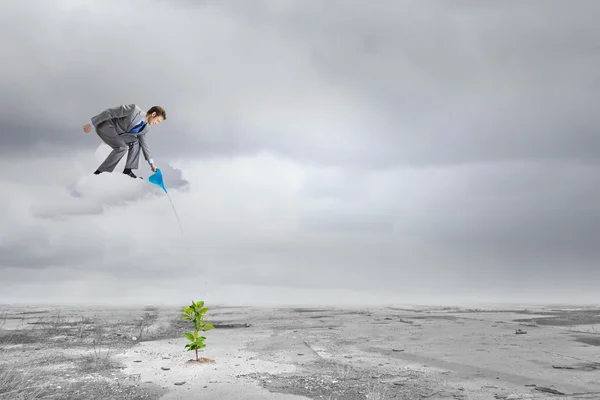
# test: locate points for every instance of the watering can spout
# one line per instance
(157, 179)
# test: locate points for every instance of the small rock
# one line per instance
(137, 360)
(165, 368)
(397, 349)
(179, 383)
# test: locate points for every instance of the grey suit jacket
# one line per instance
(120, 120)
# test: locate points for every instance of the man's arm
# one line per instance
(146, 151)
(115, 112)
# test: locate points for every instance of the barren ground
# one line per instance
(328, 353)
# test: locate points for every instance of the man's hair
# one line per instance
(160, 112)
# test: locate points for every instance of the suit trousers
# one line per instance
(120, 144)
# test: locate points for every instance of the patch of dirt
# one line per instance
(403, 309)
(219, 325)
(579, 367)
(591, 340)
(564, 317)
(309, 310)
(325, 380)
(101, 389)
(15, 338)
(430, 317)
(52, 382)
(72, 357)
(202, 360)
(33, 312)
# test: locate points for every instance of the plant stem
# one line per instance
(196, 354)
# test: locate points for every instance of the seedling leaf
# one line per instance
(195, 313)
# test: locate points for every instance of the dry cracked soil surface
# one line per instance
(405, 352)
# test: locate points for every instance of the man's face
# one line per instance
(154, 119)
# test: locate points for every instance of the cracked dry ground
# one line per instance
(330, 367)
(51, 357)
(339, 354)
(453, 354)
(333, 382)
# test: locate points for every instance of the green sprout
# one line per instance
(195, 312)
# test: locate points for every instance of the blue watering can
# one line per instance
(157, 179)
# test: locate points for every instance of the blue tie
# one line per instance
(138, 127)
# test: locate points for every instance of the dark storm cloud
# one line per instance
(483, 82)
(30, 135)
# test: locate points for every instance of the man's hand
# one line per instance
(153, 167)
(87, 128)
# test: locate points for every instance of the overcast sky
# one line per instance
(327, 151)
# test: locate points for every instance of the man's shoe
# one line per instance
(130, 173)
(97, 172)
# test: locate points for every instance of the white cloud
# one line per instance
(260, 220)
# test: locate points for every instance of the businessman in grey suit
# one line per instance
(124, 129)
